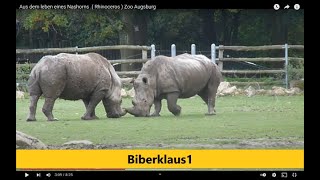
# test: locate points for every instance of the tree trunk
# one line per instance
(30, 39)
(235, 28)
(140, 35)
(209, 34)
(279, 31)
(224, 33)
(126, 37)
(54, 39)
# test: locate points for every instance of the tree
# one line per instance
(49, 22)
(52, 28)
(133, 33)
(209, 34)
(183, 27)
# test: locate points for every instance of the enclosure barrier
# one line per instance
(76, 50)
(220, 60)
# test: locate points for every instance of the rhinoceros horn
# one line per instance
(132, 111)
(136, 112)
(124, 112)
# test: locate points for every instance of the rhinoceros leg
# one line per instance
(208, 94)
(207, 98)
(93, 114)
(172, 99)
(212, 101)
(157, 107)
(204, 96)
(33, 108)
(47, 108)
(93, 102)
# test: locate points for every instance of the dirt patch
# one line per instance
(219, 144)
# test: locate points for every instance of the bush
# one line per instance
(23, 71)
(22, 75)
(296, 70)
(296, 73)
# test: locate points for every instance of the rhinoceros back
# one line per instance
(184, 73)
(70, 76)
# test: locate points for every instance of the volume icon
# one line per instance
(263, 174)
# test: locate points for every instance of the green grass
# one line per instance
(241, 122)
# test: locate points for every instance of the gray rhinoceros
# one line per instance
(170, 78)
(89, 77)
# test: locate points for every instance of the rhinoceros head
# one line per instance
(144, 87)
(112, 104)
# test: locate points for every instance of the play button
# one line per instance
(26, 174)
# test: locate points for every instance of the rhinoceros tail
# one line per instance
(33, 81)
(33, 77)
(216, 74)
(115, 78)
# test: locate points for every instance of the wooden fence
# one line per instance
(222, 59)
(284, 59)
(219, 60)
(143, 49)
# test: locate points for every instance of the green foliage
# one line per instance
(296, 27)
(179, 28)
(81, 28)
(97, 29)
(255, 27)
(253, 30)
(296, 70)
(22, 76)
(45, 20)
(22, 72)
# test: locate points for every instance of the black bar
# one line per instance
(183, 4)
(284, 175)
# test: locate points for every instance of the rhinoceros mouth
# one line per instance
(117, 115)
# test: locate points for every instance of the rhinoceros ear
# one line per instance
(145, 80)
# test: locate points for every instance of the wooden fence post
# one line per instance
(144, 55)
(220, 64)
(286, 63)
(153, 51)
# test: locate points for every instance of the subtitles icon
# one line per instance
(284, 175)
(287, 6)
(276, 6)
(296, 6)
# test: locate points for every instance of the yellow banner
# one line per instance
(145, 159)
